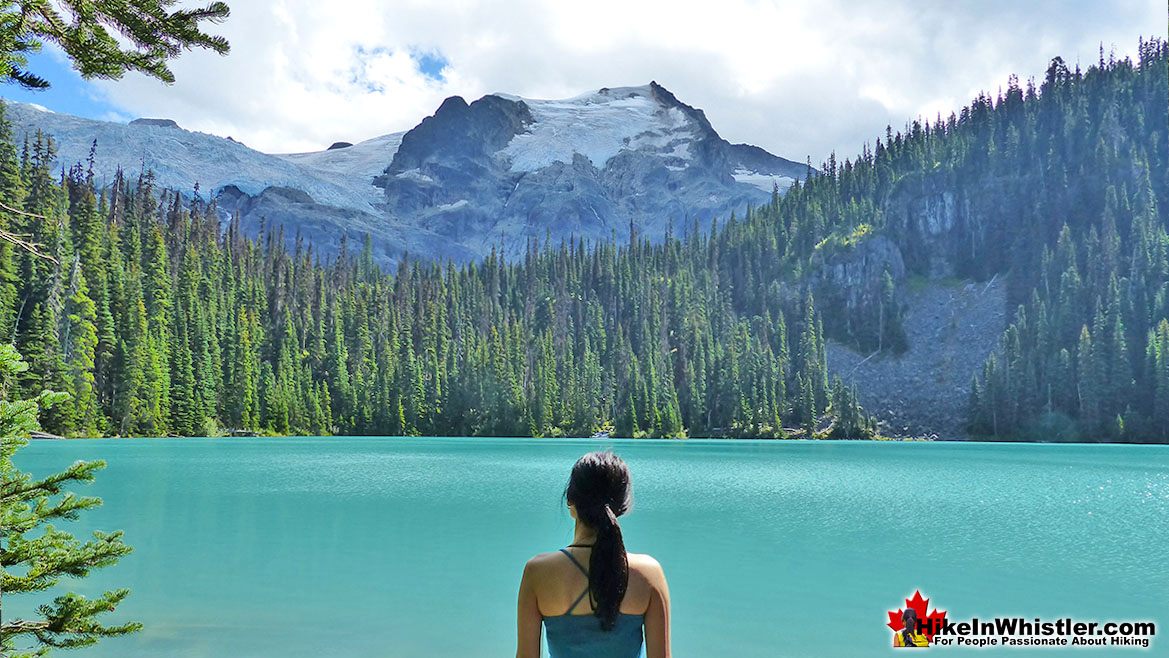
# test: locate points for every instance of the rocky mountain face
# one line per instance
(952, 327)
(496, 173)
(505, 170)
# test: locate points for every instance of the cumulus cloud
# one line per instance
(798, 78)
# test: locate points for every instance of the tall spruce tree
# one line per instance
(34, 554)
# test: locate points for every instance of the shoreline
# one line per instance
(713, 439)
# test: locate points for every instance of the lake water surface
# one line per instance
(397, 547)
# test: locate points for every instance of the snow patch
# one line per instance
(181, 158)
(416, 175)
(448, 207)
(765, 182)
(355, 166)
(598, 125)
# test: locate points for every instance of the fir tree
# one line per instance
(35, 555)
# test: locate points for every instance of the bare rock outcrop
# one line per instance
(952, 328)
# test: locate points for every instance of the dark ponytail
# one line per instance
(600, 490)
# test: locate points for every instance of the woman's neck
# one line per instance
(583, 534)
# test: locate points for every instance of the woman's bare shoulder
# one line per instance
(540, 560)
(643, 561)
(646, 566)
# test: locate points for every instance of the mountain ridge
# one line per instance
(472, 178)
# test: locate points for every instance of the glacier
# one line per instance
(493, 174)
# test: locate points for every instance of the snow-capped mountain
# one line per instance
(494, 173)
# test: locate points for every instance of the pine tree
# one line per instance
(80, 354)
(35, 555)
(95, 37)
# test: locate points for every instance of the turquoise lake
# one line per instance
(371, 547)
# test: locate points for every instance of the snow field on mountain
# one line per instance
(598, 125)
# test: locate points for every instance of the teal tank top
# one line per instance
(580, 636)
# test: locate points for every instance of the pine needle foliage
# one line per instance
(105, 38)
(34, 554)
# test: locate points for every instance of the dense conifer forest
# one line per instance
(1060, 185)
(158, 319)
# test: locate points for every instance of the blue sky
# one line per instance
(68, 94)
(800, 79)
(431, 65)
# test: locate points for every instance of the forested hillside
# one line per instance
(1087, 355)
(1059, 186)
(158, 321)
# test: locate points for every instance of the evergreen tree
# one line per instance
(34, 554)
(94, 36)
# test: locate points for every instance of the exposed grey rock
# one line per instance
(339, 145)
(324, 227)
(754, 158)
(933, 219)
(504, 170)
(161, 123)
(952, 329)
(928, 220)
(850, 279)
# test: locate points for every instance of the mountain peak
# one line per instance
(473, 176)
(451, 104)
(507, 168)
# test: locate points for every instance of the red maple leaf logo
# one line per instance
(930, 622)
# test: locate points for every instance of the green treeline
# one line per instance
(1061, 187)
(1087, 355)
(157, 322)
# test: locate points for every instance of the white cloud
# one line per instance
(798, 78)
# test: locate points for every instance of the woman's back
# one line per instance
(577, 632)
(593, 598)
(560, 584)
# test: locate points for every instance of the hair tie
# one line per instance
(609, 515)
